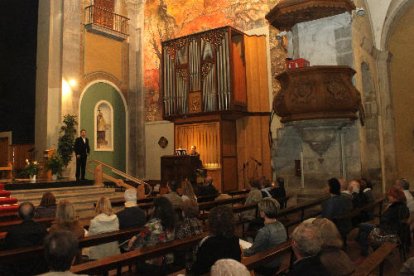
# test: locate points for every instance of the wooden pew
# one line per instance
(13, 255)
(376, 259)
(301, 209)
(5, 225)
(267, 255)
(104, 265)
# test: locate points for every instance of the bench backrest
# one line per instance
(375, 260)
(23, 253)
(128, 258)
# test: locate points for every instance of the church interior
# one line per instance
(230, 92)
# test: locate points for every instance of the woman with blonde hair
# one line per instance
(333, 258)
(67, 219)
(104, 221)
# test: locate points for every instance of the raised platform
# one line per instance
(82, 194)
(25, 184)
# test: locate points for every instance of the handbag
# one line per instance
(377, 237)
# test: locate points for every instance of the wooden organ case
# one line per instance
(205, 94)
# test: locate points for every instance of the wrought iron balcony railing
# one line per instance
(106, 22)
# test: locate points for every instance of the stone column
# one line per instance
(136, 100)
(48, 74)
(386, 120)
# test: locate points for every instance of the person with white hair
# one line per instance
(307, 244)
(132, 215)
(229, 267)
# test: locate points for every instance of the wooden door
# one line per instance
(104, 13)
(4, 151)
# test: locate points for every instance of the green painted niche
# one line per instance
(110, 148)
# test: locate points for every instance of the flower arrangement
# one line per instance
(55, 164)
(32, 167)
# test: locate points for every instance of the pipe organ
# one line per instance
(205, 93)
(204, 72)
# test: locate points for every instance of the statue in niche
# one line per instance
(103, 127)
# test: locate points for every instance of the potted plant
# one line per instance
(55, 164)
(32, 169)
(67, 139)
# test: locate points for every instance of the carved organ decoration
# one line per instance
(199, 73)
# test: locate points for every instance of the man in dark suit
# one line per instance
(81, 150)
(27, 233)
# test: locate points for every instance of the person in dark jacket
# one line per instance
(220, 244)
(279, 192)
(82, 150)
(27, 233)
(336, 206)
(132, 215)
(390, 221)
(306, 245)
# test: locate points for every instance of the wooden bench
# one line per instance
(376, 259)
(104, 265)
(264, 257)
(301, 209)
(13, 255)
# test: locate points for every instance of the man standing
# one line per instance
(81, 150)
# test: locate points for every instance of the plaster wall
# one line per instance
(326, 41)
(153, 152)
(401, 45)
(103, 54)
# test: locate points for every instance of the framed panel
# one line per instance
(104, 126)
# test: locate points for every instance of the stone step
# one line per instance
(67, 195)
(83, 197)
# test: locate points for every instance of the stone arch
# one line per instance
(396, 9)
(104, 91)
(400, 44)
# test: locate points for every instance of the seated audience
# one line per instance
(345, 189)
(66, 219)
(158, 229)
(332, 257)
(187, 191)
(336, 206)
(272, 234)
(279, 192)
(188, 225)
(390, 221)
(366, 188)
(61, 248)
(207, 188)
(254, 196)
(221, 243)
(104, 221)
(27, 233)
(131, 215)
(47, 206)
(266, 187)
(173, 196)
(229, 267)
(359, 199)
(306, 245)
(404, 186)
